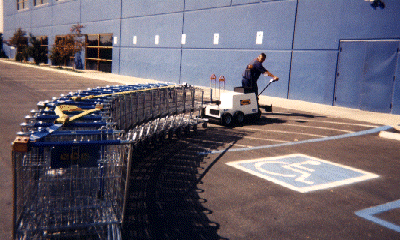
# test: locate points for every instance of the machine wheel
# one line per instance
(226, 119)
(239, 117)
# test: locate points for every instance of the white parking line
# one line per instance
(323, 128)
(337, 123)
(241, 146)
(370, 213)
(285, 132)
(265, 139)
(347, 135)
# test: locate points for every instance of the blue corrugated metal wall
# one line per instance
(301, 40)
(320, 26)
(396, 88)
(365, 74)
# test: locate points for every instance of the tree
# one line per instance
(20, 42)
(36, 51)
(67, 46)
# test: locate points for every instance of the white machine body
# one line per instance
(232, 102)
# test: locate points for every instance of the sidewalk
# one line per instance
(312, 108)
(334, 111)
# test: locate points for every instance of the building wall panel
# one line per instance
(313, 76)
(9, 27)
(396, 88)
(321, 24)
(43, 31)
(41, 16)
(9, 8)
(116, 54)
(168, 27)
(196, 4)
(238, 26)
(100, 10)
(361, 21)
(66, 13)
(238, 2)
(318, 24)
(109, 26)
(23, 20)
(151, 63)
(366, 70)
(60, 30)
(150, 7)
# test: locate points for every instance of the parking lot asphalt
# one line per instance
(269, 191)
(303, 171)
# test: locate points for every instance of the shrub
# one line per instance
(20, 42)
(36, 51)
(2, 53)
(67, 46)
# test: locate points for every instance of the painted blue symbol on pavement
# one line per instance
(370, 212)
(302, 173)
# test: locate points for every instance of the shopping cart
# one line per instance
(69, 188)
(73, 156)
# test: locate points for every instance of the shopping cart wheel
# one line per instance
(170, 133)
(136, 149)
(179, 132)
(154, 140)
(186, 130)
(145, 143)
(195, 128)
(161, 137)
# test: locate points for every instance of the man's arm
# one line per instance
(275, 78)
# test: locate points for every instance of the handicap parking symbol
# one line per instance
(302, 173)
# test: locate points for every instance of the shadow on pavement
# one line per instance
(274, 117)
(294, 114)
(164, 201)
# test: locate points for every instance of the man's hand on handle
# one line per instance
(274, 79)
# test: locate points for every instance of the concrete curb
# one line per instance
(393, 133)
(390, 135)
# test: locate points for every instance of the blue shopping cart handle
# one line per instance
(44, 132)
(76, 143)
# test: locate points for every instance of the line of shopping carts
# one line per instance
(72, 158)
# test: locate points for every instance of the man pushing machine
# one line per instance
(233, 107)
(251, 75)
(253, 72)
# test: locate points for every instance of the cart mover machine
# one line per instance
(235, 107)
